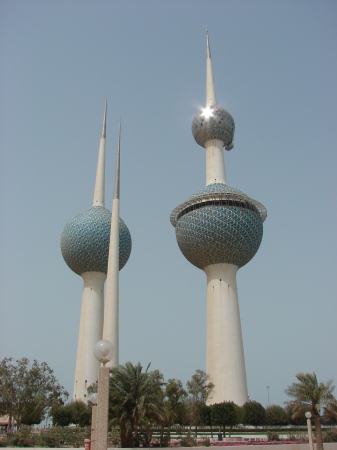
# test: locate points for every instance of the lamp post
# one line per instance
(93, 399)
(103, 351)
(308, 416)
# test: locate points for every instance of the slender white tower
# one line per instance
(111, 312)
(219, 229)
(85, 247)
(91, 320)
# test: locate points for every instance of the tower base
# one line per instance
(225, 363)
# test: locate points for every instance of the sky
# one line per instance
(275, 71)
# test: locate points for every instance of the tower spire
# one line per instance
(210, 88)
(117, 176)
(111, 310)
(100, 173)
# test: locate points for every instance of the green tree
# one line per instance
(175, 401)
(62, 416)
(300, 420)
(254, 414)
(75, 412)
(136, 402)
(224, 414)
(330, 414)
(308, 394)
(205, 415)
(276, 415)
(200, 389)
(32, 413)
(28, 389)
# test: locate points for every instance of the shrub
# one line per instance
(298, 437)
(330, 436)
(205, 442)
(254, 413)
(276, 415)
(188, 440)
(21, 438)
(272, 436)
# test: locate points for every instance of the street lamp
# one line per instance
(308, 416)
(103, 351)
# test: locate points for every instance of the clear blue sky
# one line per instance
(275, 70)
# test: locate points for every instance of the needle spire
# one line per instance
(210, 88)
(117, 176)
(99, 193)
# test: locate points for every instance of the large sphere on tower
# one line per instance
(85, 241)
(219, 224)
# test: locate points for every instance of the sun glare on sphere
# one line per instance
(207, 112)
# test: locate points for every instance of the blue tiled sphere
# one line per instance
(217, 123)
(219, 234)
(85, 241)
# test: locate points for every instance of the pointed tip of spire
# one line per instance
(104, 118)
(208, 47)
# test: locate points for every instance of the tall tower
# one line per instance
(85, 247)
(219, 229)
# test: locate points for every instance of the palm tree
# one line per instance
(136, 401)
(310, 396)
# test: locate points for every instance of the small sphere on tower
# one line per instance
(85, 241)
(213, 122)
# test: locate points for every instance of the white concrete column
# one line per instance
(215, 162)
(225, 363)
(111, 310)
(91, 331)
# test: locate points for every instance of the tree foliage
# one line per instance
(330, 414)
(276, 415)
(254, 414)
(200, 389)
(76, 412)
(27, 391)
(204, 413)
(310, 395)
(136, 402)
(224, 414)
(175, 401)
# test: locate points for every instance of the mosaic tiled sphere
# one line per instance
(213, 122)
(218, 234)
(85, 241)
